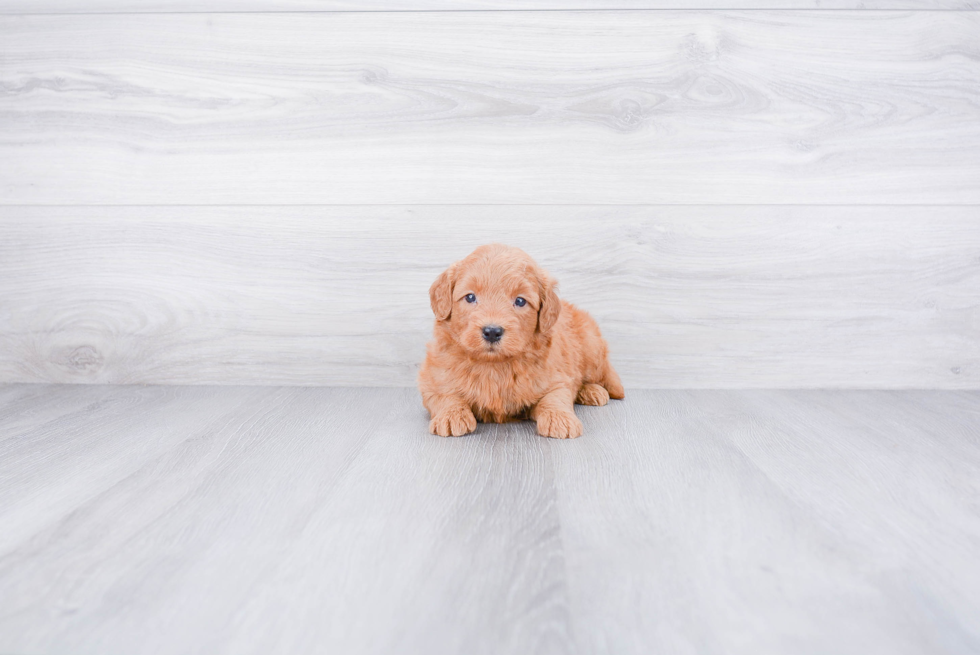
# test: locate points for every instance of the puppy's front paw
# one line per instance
(453, 422)
(559, 425)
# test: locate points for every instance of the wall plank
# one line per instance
(688, 296)
(202, 6)
(498, 107)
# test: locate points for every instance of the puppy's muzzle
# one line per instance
(492, 333)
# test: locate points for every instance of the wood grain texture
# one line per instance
(498, 107)
(285, 520)
(277, 520)
(686, 296)
(695, 524)
(202, 6)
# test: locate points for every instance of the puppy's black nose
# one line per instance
(492, 333)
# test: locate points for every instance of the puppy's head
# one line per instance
(496, 304)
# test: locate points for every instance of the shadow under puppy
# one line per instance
(506, 347)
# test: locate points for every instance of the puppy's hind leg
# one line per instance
(592, 394)
(610, 380)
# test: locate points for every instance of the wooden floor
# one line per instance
(317, 520)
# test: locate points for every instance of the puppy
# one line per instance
(505, 347)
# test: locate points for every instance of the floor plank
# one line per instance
(751, 510)
(211, 520)
(723, 297)
(610, 107)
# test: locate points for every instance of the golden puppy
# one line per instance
(506, 347)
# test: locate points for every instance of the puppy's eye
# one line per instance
(470, 297)
(520, 302)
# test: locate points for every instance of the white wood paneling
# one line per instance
(268, 520)
(497, 107)
(201, 6)
(710, 296)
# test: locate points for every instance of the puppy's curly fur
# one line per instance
(549, 356)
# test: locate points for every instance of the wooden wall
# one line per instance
(760, 196)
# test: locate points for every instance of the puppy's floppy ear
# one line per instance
(441, 293)
(550, 303)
